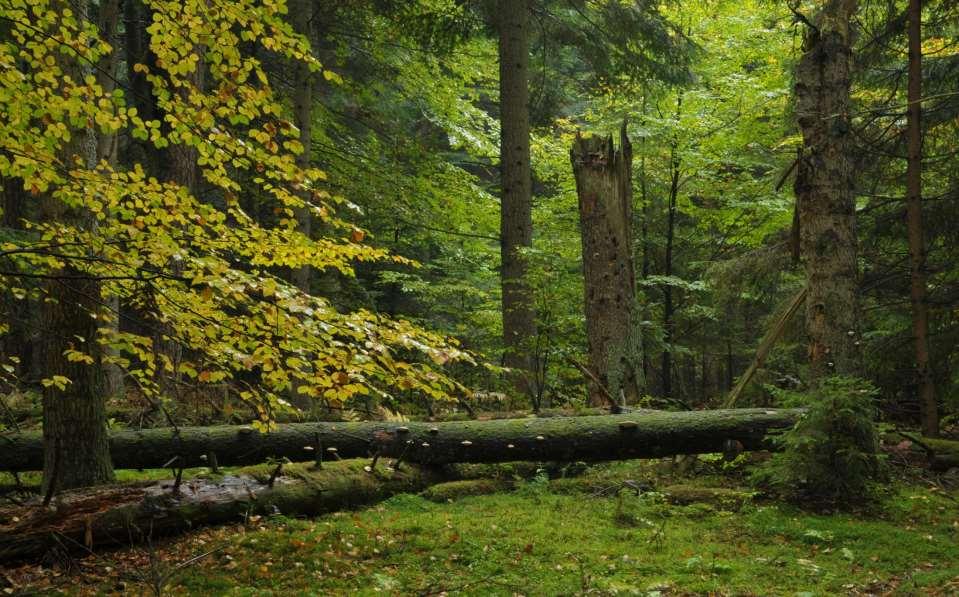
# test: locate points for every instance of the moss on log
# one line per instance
(721, 498)
(939, 454)
(454, 490)
(82, 520)
(945, 453)
(588, 438)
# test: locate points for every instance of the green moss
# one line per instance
(544, 542)
(718, 497)
(453, 490)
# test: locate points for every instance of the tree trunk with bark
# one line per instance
(824, 192)
(137, 17)
(76, 450)
(644, 434)
(108, 19)
(182, 169)
(645, 271)
(928, 407)
(675, 162)
(516, 220)
(301, 14)
(604, 186)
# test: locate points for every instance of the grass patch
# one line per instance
(536, 540)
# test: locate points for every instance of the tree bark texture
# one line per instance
(108, 18)
(76, 449)
(137, 17)
(645, 434)
(668, 308)
(301, 14)
(182, 169)
(516, 223)
(645, 271)
(928, 407)
(824, 192)
(604, 186)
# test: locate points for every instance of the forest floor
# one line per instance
(588, 534)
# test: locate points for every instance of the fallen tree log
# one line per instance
(937, 454)
(80, 520)
(590, 438)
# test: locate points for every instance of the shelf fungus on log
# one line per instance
(589, 438)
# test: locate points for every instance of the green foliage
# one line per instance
(404, 193)
(830, 455)
(204, 271)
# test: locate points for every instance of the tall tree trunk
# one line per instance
(644, 198)
(108, 18)
(137, 17)
(605, 189)
(674, 160)
(516, 220)
(729, 360)
(928, 408)
(824, 192)
(21, 339)
(181, 168)
(301, 14)
(704, 380)
(76, 450)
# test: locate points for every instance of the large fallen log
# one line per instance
(590, 438)
(79, 521)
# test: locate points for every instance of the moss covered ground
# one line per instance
(620, 528)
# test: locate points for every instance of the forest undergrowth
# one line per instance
(629, 528)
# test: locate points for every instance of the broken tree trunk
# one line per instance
(604, 186)
(80, 520)
(590, 438)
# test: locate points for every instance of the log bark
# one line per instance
(79, 521)
(587, 438)
(604, 186)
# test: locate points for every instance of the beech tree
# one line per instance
(203, 269)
